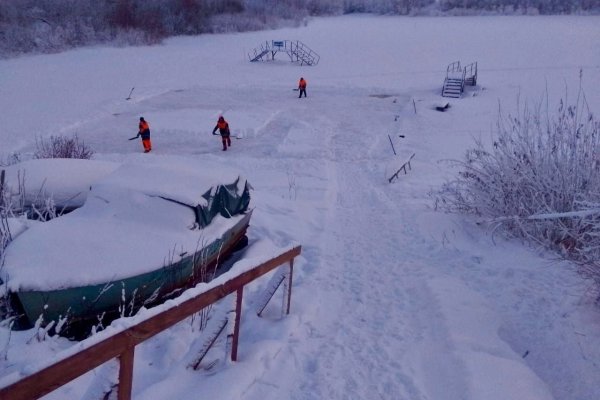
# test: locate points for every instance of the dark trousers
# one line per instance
(302, 90)
(146, 141)
(226, 141)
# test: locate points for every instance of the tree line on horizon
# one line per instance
(46, 26)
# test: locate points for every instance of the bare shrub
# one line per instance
(62, 147)
(13, 205)
(540, 180)
(5, 239)
(5, 235)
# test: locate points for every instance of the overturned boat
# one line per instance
(147, 230)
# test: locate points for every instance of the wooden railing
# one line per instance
(122, 344)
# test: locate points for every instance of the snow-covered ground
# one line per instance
(391, 299)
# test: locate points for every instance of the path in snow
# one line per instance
(377, 294)
(382, 306)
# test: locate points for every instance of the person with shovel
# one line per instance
(223, 128)
(302, 87)
(144, 132)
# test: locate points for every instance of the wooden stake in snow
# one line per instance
(129, 97)
(392, 143)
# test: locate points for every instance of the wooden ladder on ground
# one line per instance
(295, 49)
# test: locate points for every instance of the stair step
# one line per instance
(260, 55)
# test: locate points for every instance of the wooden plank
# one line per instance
(289, 292)
(54, 376)
(126, 374)
(236, 326)
(65, 370)
(272, 287)
(209, 344)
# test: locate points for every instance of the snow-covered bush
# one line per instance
(539, 180)
(62, 147)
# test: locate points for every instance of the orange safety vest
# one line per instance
(222, 125)
(144, 126)
(302, 84)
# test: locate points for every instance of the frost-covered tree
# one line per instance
(540, 180)
(55, 25)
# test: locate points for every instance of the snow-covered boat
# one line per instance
(147, 230)
(38, 187)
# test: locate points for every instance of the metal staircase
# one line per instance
(471, 74)
(457, 78)
(455, 81)
(296, 50)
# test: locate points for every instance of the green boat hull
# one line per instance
(97, 305)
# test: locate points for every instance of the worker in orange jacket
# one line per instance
(302, 87)
(144, 132)
(223, 128)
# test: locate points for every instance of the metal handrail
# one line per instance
(296, 50)
(453, 67)
(471, 72)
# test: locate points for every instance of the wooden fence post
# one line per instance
(236, 326)
(392, 143)
(289, 291)
(126, 374)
